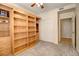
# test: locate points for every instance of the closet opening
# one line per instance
(67, 27)
(66, 31)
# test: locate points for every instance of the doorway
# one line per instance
(67, 27)
(66, 31)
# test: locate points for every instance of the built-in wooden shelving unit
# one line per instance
(18, 30)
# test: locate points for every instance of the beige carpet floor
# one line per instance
(43, 48)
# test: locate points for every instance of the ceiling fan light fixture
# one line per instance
(41, 3)
(38, 5)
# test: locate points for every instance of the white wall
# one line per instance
(49, 26)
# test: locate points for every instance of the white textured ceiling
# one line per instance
(37, 10)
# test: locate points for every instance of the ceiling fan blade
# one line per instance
(33, 4)
(41, 6)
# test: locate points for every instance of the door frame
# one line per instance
(64, 11)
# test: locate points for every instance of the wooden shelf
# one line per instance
(16, 12)
(31, 17)
(21, 44)
(31, 26)
(20, 23)
(20, 35)
(20, 49)
(19, 26)
(18, 18)
(18, 38)
(21, 41)
(31, 30)
(31, 35)
(31, 21)
(20, 32)
(32, 38)
(32, 41)
(4, 17)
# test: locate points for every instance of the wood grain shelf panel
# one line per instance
(22, 19)
(20, 26)
(21, 48)
(23, 40)
(4, 33)
(31, 26)
(4, 17)
(20, 30)
(31, 21)
(21, 44)
(31, 36)
(20, 23)
(18, 38)
(16, 12)
(20, 35)
(5, 45)
(19, 16)
(31, 30)
(31, 17)
(31, 41)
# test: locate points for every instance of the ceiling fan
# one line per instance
(38, 5)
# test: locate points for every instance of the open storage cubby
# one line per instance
(4, 23)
